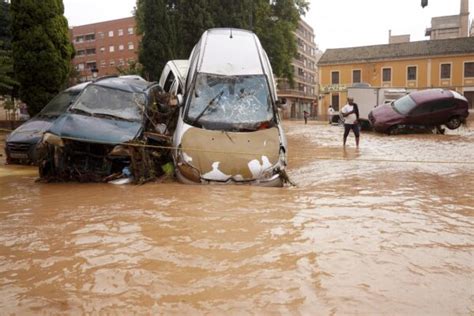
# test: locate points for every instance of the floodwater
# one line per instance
(386, 229)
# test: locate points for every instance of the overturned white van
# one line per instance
(229, 130)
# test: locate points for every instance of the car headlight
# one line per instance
(185, 168)
(53, 140)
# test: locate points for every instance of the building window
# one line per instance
(356, 76)
(90, 51)
(80, 52)
(100, 35)
(121, 62)
(90, 37)
(130, 46)
(469, 70)
(111, 33)
(91, 65)
(387, 74)
(102, 64)
(411, 73)
(335, 101)
(445, 71)
(112, 62)
(130, 31)
(111, 48)
(102, 49)
(335, 77)
(121, 47)
(80, 67)
(120, 32)
(79, 39)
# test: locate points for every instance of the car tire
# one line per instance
(454, 122)
(394, 130)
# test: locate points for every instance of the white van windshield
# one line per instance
(230, 103)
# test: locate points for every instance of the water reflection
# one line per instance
(356, 236)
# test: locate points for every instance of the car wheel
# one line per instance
(453, 122)
(394, 130)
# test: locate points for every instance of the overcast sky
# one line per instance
(337, 23)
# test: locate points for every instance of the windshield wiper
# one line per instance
(218, 96)
(111, 116)
(80, 111)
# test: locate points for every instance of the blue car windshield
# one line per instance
(59, 104)
(99, 100)
(229, 102)
(404, 105)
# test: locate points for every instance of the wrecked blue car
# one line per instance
(104, 131)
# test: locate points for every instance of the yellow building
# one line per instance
(445, 63)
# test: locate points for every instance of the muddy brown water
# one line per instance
(364, 232)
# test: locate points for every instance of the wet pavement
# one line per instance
(386, 229)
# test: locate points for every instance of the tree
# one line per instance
(42, 51)
(171, 28)
(7, 82)
(5, 34)
(132, 68)
(193, 17)
(160, 42)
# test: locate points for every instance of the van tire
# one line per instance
(394, 130)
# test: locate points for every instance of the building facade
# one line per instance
(445, 63)
(451, 26)
(303, 95)
(104, 46)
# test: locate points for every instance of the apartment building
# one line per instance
(303, 95)
(442, 63)
(104, 46)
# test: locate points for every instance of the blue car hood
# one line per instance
(95, 129)
(31, 131)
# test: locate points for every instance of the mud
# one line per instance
(386, 229)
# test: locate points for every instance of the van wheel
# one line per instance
(394, 130)
(453, 122)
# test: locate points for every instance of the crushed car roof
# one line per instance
(130, 84)
(230, 52)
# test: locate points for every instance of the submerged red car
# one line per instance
(421, 109)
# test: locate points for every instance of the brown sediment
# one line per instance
(358, 235)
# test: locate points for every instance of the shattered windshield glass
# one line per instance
(404, 105)
(230, 102)
(59, 103)
(98, 100)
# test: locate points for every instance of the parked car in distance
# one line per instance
(421, 109)
(229, 129)
(86, 142)
(21, 143)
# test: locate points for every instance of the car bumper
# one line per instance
(23, 153)
(274, 181)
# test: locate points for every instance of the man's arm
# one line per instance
(344, 114)
(356, 110)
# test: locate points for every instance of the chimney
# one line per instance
(464, 19)
(464, 7)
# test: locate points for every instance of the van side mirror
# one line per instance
(281, 103)
(180, 99)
